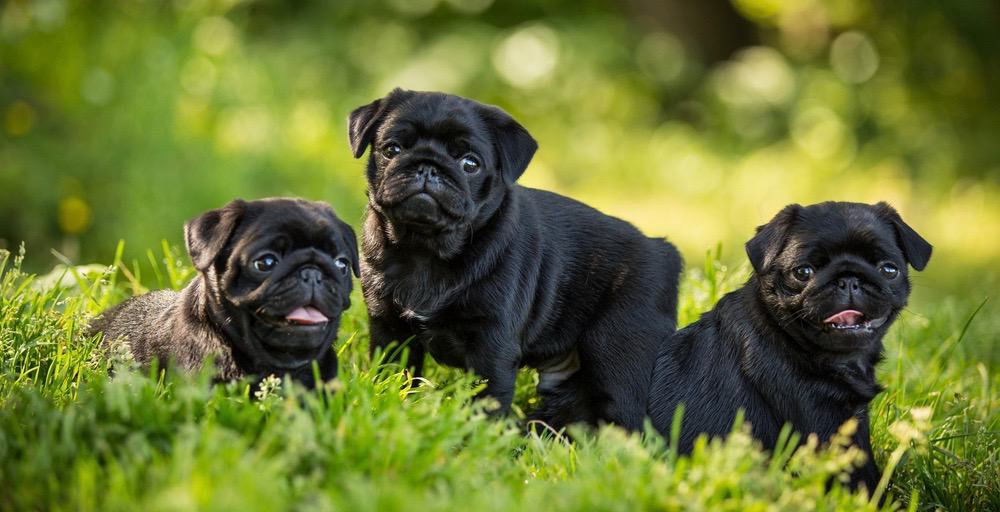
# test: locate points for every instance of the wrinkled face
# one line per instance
(434, 166)
(440, 165)
(838, 276)
(285, 278)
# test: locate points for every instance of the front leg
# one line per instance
(387, 331)
(868, 474)
(496, 359)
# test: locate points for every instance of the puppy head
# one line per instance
(834, 275)
(439, 164)
(280, 271)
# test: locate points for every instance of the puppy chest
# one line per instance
(417, 296)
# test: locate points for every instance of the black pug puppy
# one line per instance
(491, 276)
(274, 277)
(799, 342)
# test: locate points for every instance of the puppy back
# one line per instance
(579, 224)
(139, 322)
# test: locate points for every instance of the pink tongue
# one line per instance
(307, 315)
(847, 317)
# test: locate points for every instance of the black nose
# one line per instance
(310, 275)
(427, 171)
(849, 284)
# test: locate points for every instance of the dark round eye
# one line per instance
(391, 149)
(265, 263)
(888, 271)
(470, 163)
(803, 273)
(342, 264)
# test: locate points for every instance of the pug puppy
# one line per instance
(487, 275)
(799, 342)
(274, 276)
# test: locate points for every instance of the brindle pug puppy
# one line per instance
(491, 276)
(799, 342)
(274, 275)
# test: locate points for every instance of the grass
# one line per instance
(71, 438)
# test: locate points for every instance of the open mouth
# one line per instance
(851, 320)
(306, 316)
(296, 338)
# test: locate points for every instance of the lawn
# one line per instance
(692, 120)
(73, 438)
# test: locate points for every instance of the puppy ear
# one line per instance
(915, 248)
(514, 145)
(364, 121)
(345, 232)
(770, 238)
(351, 242)
(207, 234)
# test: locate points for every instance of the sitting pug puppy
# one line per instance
(490, 276)
(274, 275)
(799, 342)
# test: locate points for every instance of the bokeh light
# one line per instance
(853, 57)
(527, 57)
(156, 112)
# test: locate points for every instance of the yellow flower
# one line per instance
(74, 215)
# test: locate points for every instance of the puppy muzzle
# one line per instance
(424, 191)
(297, 314)
(849, 305)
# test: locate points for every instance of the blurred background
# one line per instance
(695, 120)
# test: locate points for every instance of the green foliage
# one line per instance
(956, 467)
(71, 438)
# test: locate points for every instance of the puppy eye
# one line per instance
(803, 273)
(470, 163)
(391, 149)
(265, 263)
(342, 264)
(888, 271)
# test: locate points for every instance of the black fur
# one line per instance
(491, 276)
(234, 312)
(765, 348)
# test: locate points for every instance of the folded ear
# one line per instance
(770, 238)
(514, 145)
(351, 242)
(914, 247)
(207, 234)
(345, 235)
(364, 121)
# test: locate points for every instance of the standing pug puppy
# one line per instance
(491, 276)
(799, 342)
(274, 275)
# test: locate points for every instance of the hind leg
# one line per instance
(563, 394)
(620, 363)
(611, 385)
